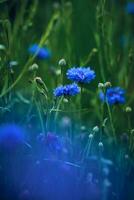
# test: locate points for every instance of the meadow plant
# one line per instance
(66, 129)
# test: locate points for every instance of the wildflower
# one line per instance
(115, 95)
(52, 142)
(67, 90)
(81, 74)
(130, 8)
(11, 136)
(41, 52)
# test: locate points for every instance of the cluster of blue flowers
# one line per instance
(81, 74)
(41, 52)
(78, 75)
(115, 95)
(67, 90)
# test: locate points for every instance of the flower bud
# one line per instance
(62, 62)
(126, 156)
(107, 84)
(33, 67)
(2, 47)
(100, 145)
(95, 50)
(65, 100)
(83, 128)
(58, 72)
(96, 129)
(100, 85)
(128, 109)
(13, 63)
(90, 136)
(132, 131)
(39, 80)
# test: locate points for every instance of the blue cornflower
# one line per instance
(130, 8)
(41, 52)
(115, 95)
(67, 90)
(11, 135)
(59, 91)
(51, 141)
(81, 74)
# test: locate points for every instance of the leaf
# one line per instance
(23, 99)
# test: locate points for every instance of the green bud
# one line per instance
(100, 145)
(62, 62)
(96, 129)
(65, 100)
(132, 131)
(90, 136)
(39, 80)
(107, 84)
(101, 86)
(2, 47)
(33, 67)
(128, 109)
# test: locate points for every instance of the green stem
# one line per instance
(111, 122)
(40, 116)
(58, 106)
